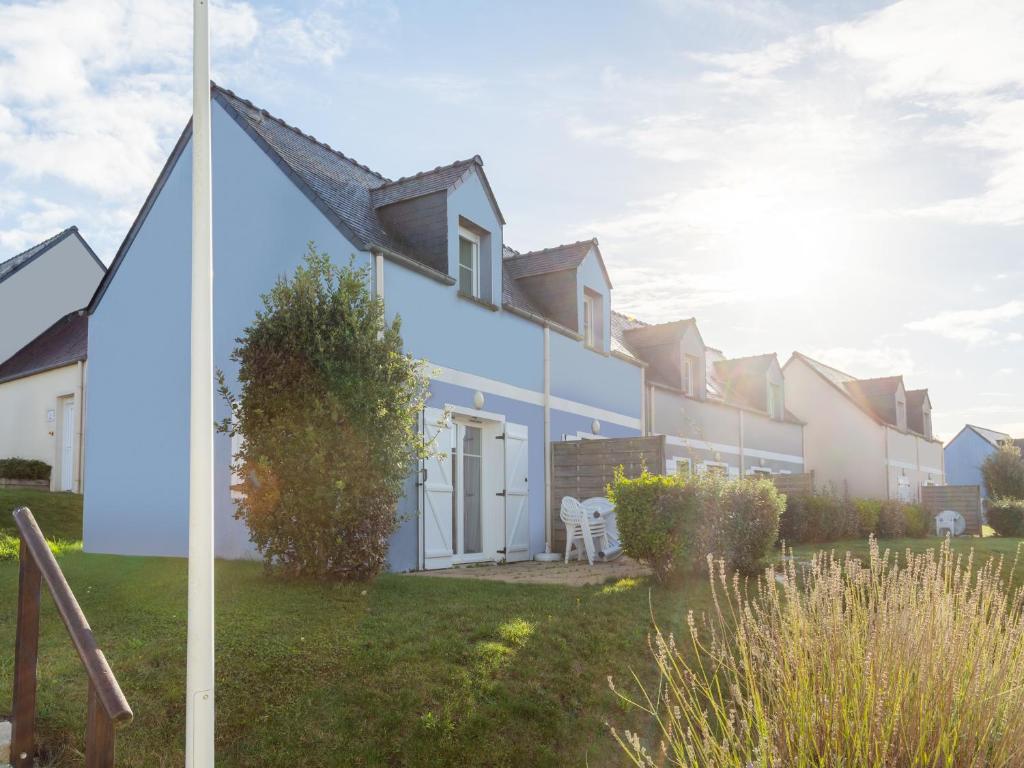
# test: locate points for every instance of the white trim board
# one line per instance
(914, 467)
(511, 391)
(689, 442)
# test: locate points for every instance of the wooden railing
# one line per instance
(107, 705)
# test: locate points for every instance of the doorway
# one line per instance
(67, 444)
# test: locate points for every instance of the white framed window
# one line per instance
(719, 467)
(588, 319)
(901, 414)
(775, 401)
(469, 263)
(684, 467)
(690, 374)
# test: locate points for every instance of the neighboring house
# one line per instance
(966, 452)
(41, 388)
(870, 438)
(716, 413)
(43, 284)
(518, 344)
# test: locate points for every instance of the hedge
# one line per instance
(1006, 516)
(24, 469)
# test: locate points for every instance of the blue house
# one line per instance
(966, 452)
(518, 344)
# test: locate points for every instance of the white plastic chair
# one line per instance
(599, 505)
(949, 520)
(582, 529)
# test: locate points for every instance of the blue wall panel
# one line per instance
(964, 457)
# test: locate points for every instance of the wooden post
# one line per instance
(26, 651)
(99, 735)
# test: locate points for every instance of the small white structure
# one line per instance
(586, 527)
(41, 392)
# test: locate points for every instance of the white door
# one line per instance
(67, 448)
(517, 503)
(436, 485)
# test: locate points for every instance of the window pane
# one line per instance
(467, 266)
(472, 481)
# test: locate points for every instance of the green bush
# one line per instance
(674, 523)
(657, 519)
(1006, 516)
(1003, 472)
(327, 408)
(24, 469)
(868, 513)
(892, 523)
(817, 517)
(915, 521)
(740, 520)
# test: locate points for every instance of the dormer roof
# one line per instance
(554, 259)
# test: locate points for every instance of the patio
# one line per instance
(572, 574)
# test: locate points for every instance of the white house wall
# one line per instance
(26, 406)
(55, 283)
(843, 446)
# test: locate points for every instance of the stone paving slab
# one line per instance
(571, 574)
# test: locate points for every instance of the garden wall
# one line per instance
(584, 468)
(965, 499)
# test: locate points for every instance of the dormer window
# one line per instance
(588, 318)
(690, 375)
(901, 414)
(469, 263)
(775, 404)
(927, 424)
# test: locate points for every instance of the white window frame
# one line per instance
(705, 465)
(901, 410)
(681, 462)
(474, 238)
(773, 404)
(589, 318)
(690, 372)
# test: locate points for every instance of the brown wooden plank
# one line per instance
(26, 653)
(99, 734)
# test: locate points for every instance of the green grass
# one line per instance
(406, 671)
(59, 516)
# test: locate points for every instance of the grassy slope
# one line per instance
(58, 514)
(406, 671)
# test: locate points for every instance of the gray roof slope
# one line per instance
(63, 343)
(423, 183)
(513, 295)
(13, 264)
(547, 260)
(990, 435)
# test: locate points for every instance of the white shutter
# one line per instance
(436, 497)
(517, 499)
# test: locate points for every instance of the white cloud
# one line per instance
(974, 326)
(93, 94)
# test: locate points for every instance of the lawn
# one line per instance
(405, 671)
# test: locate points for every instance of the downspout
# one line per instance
(888, 481)
(643, 403)
(743, 469)
(80, 427)
(378, 274)
(547, 439)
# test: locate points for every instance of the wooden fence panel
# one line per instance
(795, 485)
(584, 468)
(965, 499)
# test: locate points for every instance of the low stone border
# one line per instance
(35, 485)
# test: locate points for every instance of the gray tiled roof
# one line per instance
(13, 264)
(63, 343)
(342, 184)
(620, 324)
(513, 295)
(554, 259)
(423, 183)
(991, 435)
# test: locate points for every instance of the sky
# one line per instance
(845, 179)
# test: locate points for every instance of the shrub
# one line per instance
(657, 519)
(24, 469)
(1006, 516)
(327, 408)
(740, 520)
(671, 523)
(898, 662)
(892, 523)
(1003, 472)
(915, 521)
(868, 513)
(816, 517)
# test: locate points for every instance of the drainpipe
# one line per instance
(378, 274)
(888, 482)
(743, 469)
(80, 427)
(643, 403)
(547, 441)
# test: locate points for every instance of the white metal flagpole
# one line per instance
(199, 709)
